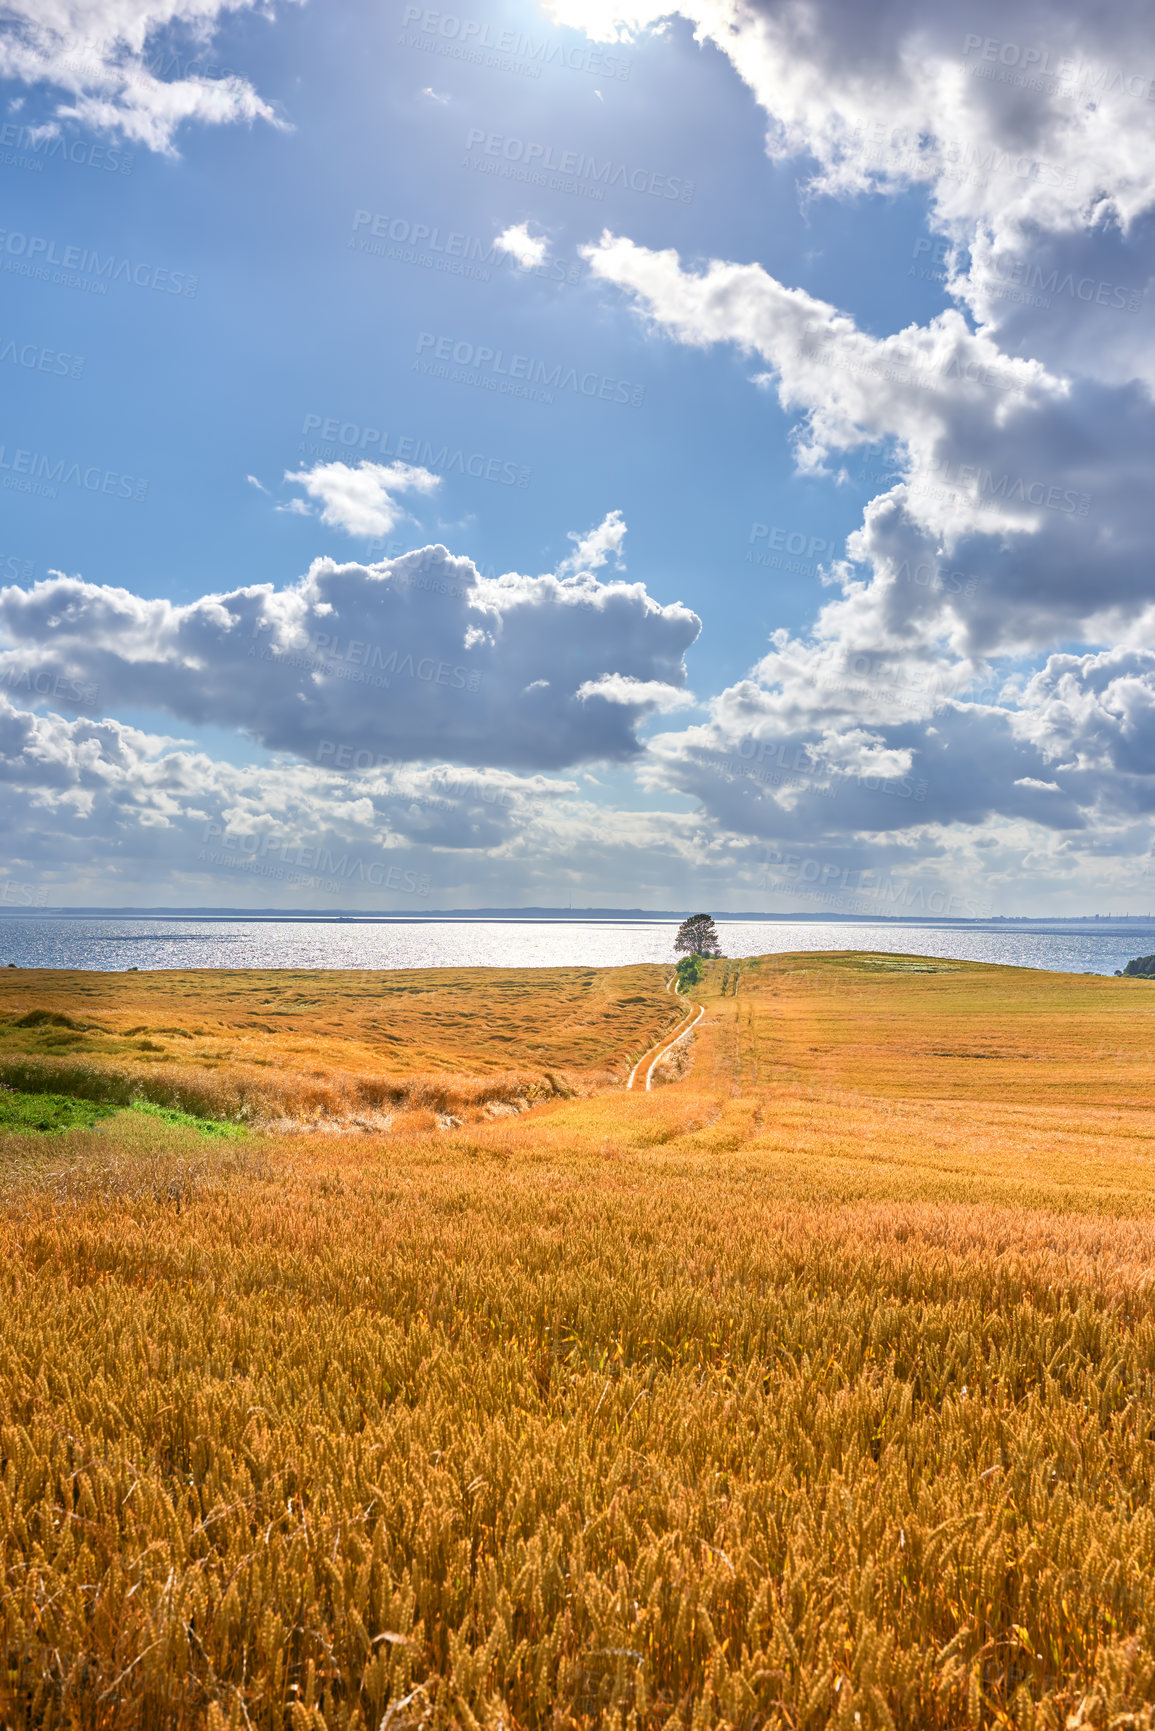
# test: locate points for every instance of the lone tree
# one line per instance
(698, 936)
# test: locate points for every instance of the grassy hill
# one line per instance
(336, 1047)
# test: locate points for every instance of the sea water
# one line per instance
(266, 941)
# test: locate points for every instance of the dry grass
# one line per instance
(817, 1388)
(323, 1047)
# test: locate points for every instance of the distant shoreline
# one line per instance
(534, 916)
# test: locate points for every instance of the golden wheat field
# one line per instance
(815, 1387)
(327, 1048)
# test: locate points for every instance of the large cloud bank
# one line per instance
(976, 697)
(981, 679)
(417, 659)
(90, 809)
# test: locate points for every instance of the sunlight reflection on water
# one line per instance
(113, 943)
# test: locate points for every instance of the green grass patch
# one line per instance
(170, 1115)
(54, 1112)
(49, 1111)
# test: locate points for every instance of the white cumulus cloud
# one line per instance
(648, 694)
(361, 499)
(528, 249)
(593, 550)
(140, 68)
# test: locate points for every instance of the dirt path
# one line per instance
(650, 1058)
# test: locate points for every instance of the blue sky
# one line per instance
(950, 709)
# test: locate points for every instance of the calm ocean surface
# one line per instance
(1098, 946)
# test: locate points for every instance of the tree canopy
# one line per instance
(699, 936)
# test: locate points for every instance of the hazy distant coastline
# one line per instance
(578, 915)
